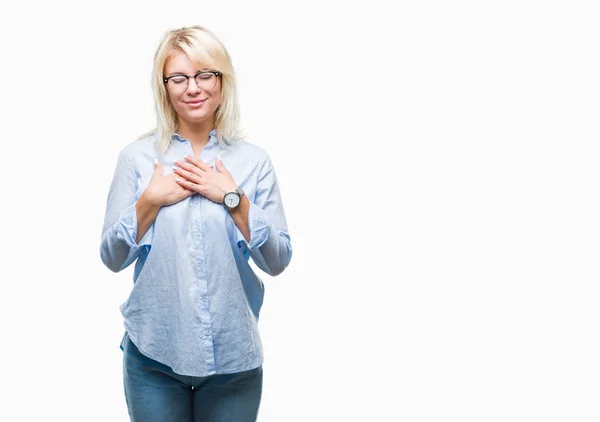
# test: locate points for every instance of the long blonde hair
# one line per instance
(204, 49)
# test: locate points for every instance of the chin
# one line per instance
(195, 114)
(197, 118)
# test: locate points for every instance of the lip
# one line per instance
(195, 103)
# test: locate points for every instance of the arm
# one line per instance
(121, 241)
(240, 217)
(146, 213)
(263, 218)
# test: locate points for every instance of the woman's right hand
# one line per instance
(164, 190)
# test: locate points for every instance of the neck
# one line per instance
(196, 133)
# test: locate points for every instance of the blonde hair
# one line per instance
(204, 49)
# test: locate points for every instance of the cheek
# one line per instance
(172, 100)
(217, 99)
(176, 103)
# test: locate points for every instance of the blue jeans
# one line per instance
(154, 393)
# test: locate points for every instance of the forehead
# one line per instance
(179, 62)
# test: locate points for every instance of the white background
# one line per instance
(439, 168)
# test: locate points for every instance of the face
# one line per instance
(194, 104)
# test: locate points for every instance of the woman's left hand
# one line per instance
(199, 177)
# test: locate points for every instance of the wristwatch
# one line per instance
(233, 199)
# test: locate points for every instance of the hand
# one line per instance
(163, 190)
(203, 179)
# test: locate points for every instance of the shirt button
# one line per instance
(206, 332)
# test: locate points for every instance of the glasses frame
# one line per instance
(214, 72)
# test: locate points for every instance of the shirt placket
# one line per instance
(200, 266)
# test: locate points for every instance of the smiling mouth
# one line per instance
(196, 102)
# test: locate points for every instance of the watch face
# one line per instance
(231, 200)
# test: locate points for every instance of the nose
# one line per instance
(192, 87)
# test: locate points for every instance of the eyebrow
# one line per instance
(181, 73)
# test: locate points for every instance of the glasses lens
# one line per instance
(178, 83)
(206, 80)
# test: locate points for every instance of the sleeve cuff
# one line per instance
(259, 226)
(128, 228)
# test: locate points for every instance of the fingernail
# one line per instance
(155, 161)
(175, 167)
(219, 158)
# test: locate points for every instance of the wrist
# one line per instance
(233, 198)
(147, 201)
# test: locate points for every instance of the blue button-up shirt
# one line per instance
(195, 300)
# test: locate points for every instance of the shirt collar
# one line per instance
(211, 142)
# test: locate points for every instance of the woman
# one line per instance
(192, 202)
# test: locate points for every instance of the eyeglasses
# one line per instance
(204, 79)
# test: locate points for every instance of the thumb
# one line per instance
(219, 165)
(157, 167)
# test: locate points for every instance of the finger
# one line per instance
(188, 167)
(220, 166)
(157, 167)
(198, 163)
(193, 177)
(182, 184)
(187, 190)
(190, 185)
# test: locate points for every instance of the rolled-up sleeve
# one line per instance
(269, 246)
(118, 248)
